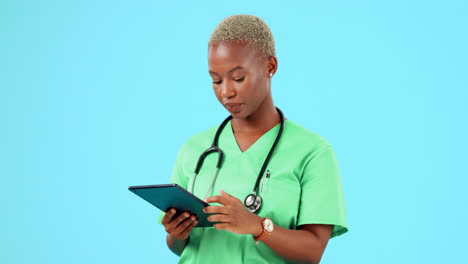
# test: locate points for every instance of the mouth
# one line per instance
(233, 107)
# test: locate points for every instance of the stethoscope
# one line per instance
(253, 201)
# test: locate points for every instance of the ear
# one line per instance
(271, 65)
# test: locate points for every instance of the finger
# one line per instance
(225, 194)
(218, 199)
(215, 209)
(185, 223)
(175, 222)
(187, 230)
(168, 216)
(219, 218)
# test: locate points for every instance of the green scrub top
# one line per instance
(304, 187)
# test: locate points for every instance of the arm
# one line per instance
(306, 244)
(176, 245)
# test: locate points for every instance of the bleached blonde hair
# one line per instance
(245, 28)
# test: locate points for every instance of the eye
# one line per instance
(217, 82)
(240, 79)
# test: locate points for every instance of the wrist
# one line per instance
(267, 228)
(257, 226)
(176, 245)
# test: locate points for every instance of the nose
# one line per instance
(227, 90)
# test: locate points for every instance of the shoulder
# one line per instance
(311, 153)
(200, 140)
(195, 145)
(302, 137)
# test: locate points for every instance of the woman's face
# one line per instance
(240, 77)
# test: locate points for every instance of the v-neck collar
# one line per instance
(263, 143)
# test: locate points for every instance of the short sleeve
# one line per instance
(177, 176)
(322, 200)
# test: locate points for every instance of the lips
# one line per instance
(233, 107)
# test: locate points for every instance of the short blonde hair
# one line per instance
(245, 28)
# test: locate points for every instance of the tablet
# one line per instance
(166, 196)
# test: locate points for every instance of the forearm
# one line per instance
(176, 245)
(306, 244)
(296, 245)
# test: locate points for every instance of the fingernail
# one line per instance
(193, 218)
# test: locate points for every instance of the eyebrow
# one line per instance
(231, 70)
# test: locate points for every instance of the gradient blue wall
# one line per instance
(99, 95)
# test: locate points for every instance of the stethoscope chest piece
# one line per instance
(253, 202)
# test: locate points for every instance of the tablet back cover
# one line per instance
(166, 196)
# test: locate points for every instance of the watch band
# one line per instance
(265, 233)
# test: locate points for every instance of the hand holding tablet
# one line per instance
(180, 226)
(167, 196)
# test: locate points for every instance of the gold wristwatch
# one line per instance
(268, 227)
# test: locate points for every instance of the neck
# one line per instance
(262, 120)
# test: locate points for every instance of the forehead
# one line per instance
(225, 56)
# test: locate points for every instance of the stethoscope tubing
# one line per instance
(270, 153)
(257, 202)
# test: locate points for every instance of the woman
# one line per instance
(300, 186)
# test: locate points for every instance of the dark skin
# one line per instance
(242, 84)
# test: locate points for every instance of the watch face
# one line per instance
(268, 224)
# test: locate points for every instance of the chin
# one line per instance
(239, 115)
(234, 116)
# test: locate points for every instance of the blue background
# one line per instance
(99, 95)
